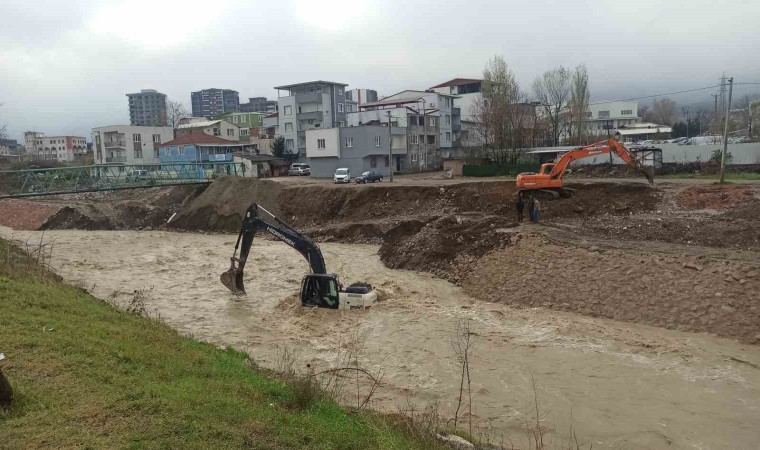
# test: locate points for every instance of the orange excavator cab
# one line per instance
(548, 182)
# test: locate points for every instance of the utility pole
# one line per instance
(390, 147)
(685, 110)
(424, 120)
(725, 131)
(715, 111)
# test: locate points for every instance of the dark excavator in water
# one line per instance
(319, 288)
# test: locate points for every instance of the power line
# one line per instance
(658, 95)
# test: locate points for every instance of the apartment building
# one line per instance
(210, 103)
(8, 147)
(611, 115)
(315, 104)
(358, 149)
(356, 97)
(56, 148)
(147, 108)
(259, 104)
(219, 128)
(468, 91)
(247, 122)
(129, 144)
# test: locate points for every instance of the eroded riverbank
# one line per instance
(628, 385)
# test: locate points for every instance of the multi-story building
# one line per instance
(210, 103)
(604, 116)
(316, 104)
(248, 122)
(469, 92)
(219, 128)
(128, 144)
(259, 104)
(147, 108)
(358, 149)
(356, 97)
(56, 148)
(8, 147)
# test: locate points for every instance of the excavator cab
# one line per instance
(320, 290)
(546, 168)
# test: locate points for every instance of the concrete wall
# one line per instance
(332, 144)
(674, 153)
(147, 143)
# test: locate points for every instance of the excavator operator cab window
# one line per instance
(319, 291)
(546, 168)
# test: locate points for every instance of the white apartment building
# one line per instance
(128, 144)
(436, 104)
(604, 116)
(468, 92)
(55, 148)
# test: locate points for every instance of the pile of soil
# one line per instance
(24, 214)
(714, 196)
(669, 291)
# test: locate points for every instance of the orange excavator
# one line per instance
(547, 182)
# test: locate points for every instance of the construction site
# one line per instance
(629, 313)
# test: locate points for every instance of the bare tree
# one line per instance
(664, 112)
(579, 103)
(643, 111)
(175, 111)
(552, 89)
(749, 106)
(462, 343)
(502, 122)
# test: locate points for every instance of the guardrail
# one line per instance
(104, 177)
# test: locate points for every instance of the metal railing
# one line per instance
(116, 159)
(103, 177)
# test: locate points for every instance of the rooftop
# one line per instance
(399, 101)
(203, 140)
(200, 124)
(288, 86)
(457, 82)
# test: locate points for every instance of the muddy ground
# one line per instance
(625, 385)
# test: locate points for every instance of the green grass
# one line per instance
(729, 176)
(88, 375)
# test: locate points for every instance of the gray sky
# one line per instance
(65, 65)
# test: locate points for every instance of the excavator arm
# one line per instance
(599, 148)
(259, 219)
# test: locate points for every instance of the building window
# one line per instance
(288, 126)
(289, 144)
(626, 112)
(340, 107)
(431, 121)
(448, 119)
(349, 142)
(138, 154)
(415, 139)
(216, 132)
(377, 141)
(136, 138)
(167, 151)
(448, 136)
(234, 119)
(157, 138)
(320, 143)
(155, 153)
(340, 91)
(244, 132)
(341, 124)
(431, 139)
(604, 114)
(288, 110)
(414, 157)
(231, 132)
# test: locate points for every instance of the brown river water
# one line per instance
(626, 386)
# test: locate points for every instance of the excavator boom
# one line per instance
(550, 176)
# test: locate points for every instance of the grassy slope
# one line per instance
(88, 375)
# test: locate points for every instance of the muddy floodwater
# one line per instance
(628, 386)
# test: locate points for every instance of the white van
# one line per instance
(342, 175)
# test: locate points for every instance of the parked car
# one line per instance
(299, 169)
(137, 175)
(370, 176)
(342, 175)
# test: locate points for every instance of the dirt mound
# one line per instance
(662, 290)
(714, 196)
(24, 214)
(222, 205)
(444, 246)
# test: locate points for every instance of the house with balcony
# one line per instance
(307, 106)
(358, 149)
(129, 144)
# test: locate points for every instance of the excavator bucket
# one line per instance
(649, 173)
(233, 279)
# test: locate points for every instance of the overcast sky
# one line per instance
(66, 65)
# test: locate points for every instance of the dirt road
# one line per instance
(629, 386)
